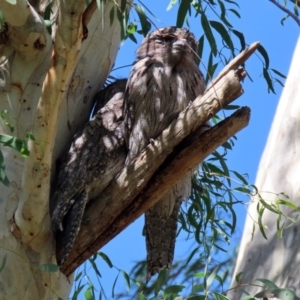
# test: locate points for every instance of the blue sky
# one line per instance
(260, 22)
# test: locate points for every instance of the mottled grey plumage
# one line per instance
(164, 79)
(96, 155)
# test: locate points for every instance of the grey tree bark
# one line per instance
(277, 259)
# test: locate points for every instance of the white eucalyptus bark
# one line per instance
(44, 89)
(277, 259)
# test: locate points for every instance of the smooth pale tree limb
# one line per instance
(65, 54)
(277, 259)
(38, 93)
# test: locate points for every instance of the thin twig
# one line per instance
(292, 15)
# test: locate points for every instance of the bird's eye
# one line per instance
(169, 39)
(165, 40)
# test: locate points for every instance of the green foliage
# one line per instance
(221, 36)
(47, 17)
(209, 217)
(18, 144)
(2, 22)
(88, 287)
(278, 206)
(3, 263)
(49, 267)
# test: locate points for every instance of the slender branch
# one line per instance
(292, 15)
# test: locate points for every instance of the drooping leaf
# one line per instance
(114, 285)
(171, 4)
(3, 264)
(269, 80)
(127, 279)
(268, 283)
(145, 24)
(161, 279)
(184, 7)
(235, 12)
(95, 268)
(49, 267)
(200, 48)
(211, 277)
(278, 73)
(197, 288)
(240, 177)
(208, 34)
(241, 37)
(260, 224)
(287, 203)
(106, 259)
(88, 294)
(141, 296)
(112, 15)
(173, 289)
(265, 55)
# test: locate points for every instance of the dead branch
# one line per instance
(139, 185)
(181, 164)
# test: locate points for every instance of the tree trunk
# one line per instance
(46, 83)
(276, 259)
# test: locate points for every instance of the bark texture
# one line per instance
(46, 83)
